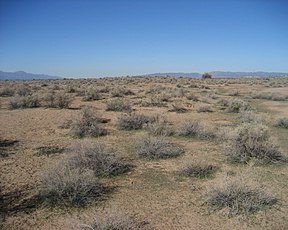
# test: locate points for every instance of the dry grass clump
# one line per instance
(196, 128)
(62, 186)
(237, 105)
(118, 105)
(198, 170)
(253, 141)
(160, 128)
(89, 124)
(192, 97)
(156, 148)
(113, 221)
(133, 121)
(282, 122)
(99, 158)
(238, 199)
(205, 109)
(24, 102)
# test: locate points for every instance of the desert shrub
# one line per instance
(155, 148)
(24, 102)
(282, 122)
(154, 102)
(89, 124)
(198, 170)
(62, 186)
(195, 128)
(118, 105)
(251, 117)
(23, 91)
(7, 92)
(91, 95)
(192, 97)
(223, 102)
(252, 141)
(238, 199)
(160, 128)
(237, 105)
(121, 92)
(99, 158)
(206, 75)
(233, 93)
(178, 108)
(57, 100)
(204, 108)
(133, 121)
(269, 96)
(113, 221)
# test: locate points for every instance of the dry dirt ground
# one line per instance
(151, 190)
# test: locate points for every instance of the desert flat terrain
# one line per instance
(175, 147)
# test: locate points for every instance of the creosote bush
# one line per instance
(155, 148)
(118, 105)
(99, 158)
(238, 199)
(62, 186)
(252, 141)
(133, 121)
(198, 170)
(89, 124)
(195, 128)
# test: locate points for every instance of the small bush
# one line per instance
(192, 97)
(113, 221)
(251, 117)
(160, 128)
(196, 129)
(155, 148)
(62, 186)
(252, 141)
(233, 93)
(206, 76)
(59, 100)
(238, 199)
(91, 95)
(7, 92)
(282, 122)
(237, 105)
(99, 158)
(118, 105)
(48, 150)
(205, 109)
(121, 92)
(198, 170)
(24, 102)
(133, 121)
(23, 91)
(89, 124)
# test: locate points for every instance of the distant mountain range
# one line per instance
(21, 75)
(220, 74)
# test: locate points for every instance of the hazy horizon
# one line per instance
(118, 38)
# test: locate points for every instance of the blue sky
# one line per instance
(88, 38)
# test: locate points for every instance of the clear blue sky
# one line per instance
(129, 37)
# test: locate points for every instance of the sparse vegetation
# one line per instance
(198, 170)
(118, 105)
(133, 121)
(89, 124)
(282, 122)
(253, 141)
(155, 148)
(238, 199)
(205, 109)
